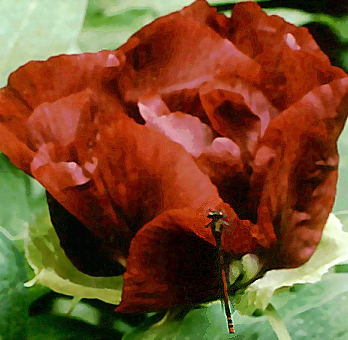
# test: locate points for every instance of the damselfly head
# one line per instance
(216, 215)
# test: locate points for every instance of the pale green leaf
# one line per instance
(37, 29)
(331, 250)
(162, 7)
(54, 270)
(277, 323)
(293, 16)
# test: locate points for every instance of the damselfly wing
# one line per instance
(217, 225)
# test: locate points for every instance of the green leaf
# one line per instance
(53, 327)
(103, 31)
(37, 29)
(108, 24)
(331, 250)
(309, 312)
(160, 6)
(327, 322)
(95, 18)
(197, 324)
(208, 322)
(313, 310)
(13, 295)
(54, 270)
(338, 25)
(20, 197)
(293, 16)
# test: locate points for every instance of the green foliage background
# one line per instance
(38, 29)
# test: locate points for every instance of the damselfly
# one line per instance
(217, 225)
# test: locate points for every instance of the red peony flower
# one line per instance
(195, 112)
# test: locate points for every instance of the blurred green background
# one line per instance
(38, 29)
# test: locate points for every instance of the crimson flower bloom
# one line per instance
(195, 112)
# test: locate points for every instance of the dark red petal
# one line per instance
(242, 240)
(50, 132)
(177, 52)
(157, 279)
(221, 159)
(250, 22)
(186, 100)
(51, 112)
(40, 82)
(292, 62)
(64, 134)
(222, 162)
(179, 127)
(237, 110)
(84, 249)
(296, 167)
(120, 177)
(12, 130)
(145, 173)
(46, 81)
(155, 103)
(68, 120)
(203, 13)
